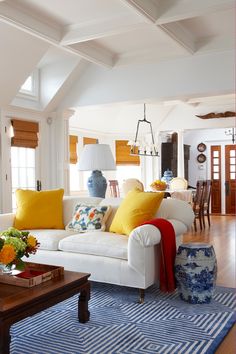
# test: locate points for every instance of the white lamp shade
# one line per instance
(96, 157)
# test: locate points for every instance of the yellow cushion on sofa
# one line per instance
(136, 208)
(39, 210)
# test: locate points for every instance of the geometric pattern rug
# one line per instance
(120, 325)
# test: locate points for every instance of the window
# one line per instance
(22, 170)
(23, 144)
(74, 178)
(28, 85)
(30, 88)
(123, 156)
(127, 171)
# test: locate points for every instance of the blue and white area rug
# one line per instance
(119, 325)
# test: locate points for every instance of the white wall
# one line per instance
(202, 75)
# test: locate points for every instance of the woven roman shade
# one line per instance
(89, 141)
(25, 133)
(123, 156)
(73, 139)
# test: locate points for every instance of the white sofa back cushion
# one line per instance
(114, 203)
(169, 209)
(175, 209)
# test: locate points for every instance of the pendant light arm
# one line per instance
(136, 135)
(143, 151)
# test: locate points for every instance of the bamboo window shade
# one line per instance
(25, 133)
(89, 141)
(73, 140)
(123, 156)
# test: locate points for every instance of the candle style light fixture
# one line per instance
(232, 132)
(140, 147)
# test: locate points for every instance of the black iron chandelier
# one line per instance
(139, 147)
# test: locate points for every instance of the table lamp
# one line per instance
(96, 158)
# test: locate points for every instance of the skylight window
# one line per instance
(27, 85)
(30, 87)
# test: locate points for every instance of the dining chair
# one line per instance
(178, 183)
(206, 202)
(197, 204)
(130, 183)
(114, 188)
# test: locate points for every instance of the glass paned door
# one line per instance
(230, 179)
(216, 179)
(23, 164)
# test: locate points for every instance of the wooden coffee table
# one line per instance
(17, 302)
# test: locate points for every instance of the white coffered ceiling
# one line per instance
(115, 32)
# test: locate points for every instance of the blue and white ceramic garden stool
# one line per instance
(195, 272)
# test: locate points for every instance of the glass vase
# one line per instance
(6, 269)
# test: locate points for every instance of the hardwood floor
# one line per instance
(221, 235)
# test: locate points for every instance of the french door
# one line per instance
(24, 170)
(223, 157)
(216, 179)
(230, 179)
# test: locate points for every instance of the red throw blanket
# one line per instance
(168, 253)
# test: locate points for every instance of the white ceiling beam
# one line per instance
(172, 10)
(98, 29)
(151, 11)
(14, 17)
(146, 8)
(88, 51)
(180, 35)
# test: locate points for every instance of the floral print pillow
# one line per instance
(89, 218)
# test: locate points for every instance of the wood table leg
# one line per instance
(5, 338)
(83, 312)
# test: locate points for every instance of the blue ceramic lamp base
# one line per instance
(97, 184)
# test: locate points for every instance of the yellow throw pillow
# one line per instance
(136, 208)
(39, 210)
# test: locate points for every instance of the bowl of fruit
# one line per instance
(158, 185)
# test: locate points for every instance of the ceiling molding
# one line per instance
(172, 10)
(213, 115)
(40, 30)
(100, 55)
(174, 31)
(14, 17)
(98, 29)
(148, 9)
(180, 35)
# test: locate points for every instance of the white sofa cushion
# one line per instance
(114, 203)
(49, 238)
(98, 243)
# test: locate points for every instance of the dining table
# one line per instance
(182, 194)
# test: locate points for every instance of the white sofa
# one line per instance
(118, 259)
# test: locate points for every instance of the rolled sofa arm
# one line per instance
(143, 238)
(146, 235)
(140, 247)
(6, 220)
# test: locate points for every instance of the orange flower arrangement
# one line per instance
(14, 245)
